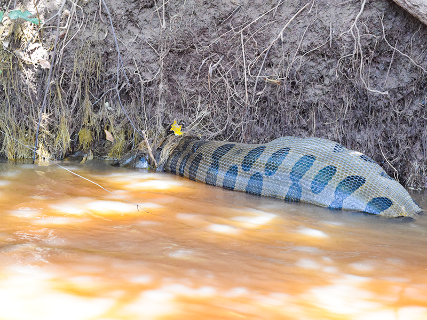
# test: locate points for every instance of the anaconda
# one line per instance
(311, 170)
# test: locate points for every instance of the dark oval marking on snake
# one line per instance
(298, 171)
(321, 179)
(251, 157)
(212, 174)
(230, 177)
(221, 151)
(197, 145)
(183, 164)
(194, 166)
(345, 188)
(339, 148)
(301, 167)
(185, 144)
(174, 162)
(255, 184)
(378, 205)
(276, 159)
(294, 193)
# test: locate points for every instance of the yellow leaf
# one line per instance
(176, 128)
(109, 136)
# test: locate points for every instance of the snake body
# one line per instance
(311, 170)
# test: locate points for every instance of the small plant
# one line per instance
(16, 14)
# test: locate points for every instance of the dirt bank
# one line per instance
(251, 70)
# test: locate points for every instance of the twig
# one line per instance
(244, 69)
(68, 25)
(280, 35)
(243, 28)
(394, 48)
(396, 173)
(259, 73)
(358, 48)
(231, 14)
(389, 66)
(119, 57)
(150, 151)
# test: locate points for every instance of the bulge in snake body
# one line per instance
(311, 170)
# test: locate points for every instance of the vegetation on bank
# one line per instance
(109, 76)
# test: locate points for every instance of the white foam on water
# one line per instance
(114, 207)
(307, 264)
(141, 279)
(344, 296)
(25, 213)
(313, 233)
(344, 299)
(236, 292)
(149, 205)
(405, 313)
(273, 299)
(256, 220)
(413, 313)
(86, 281)
(362, 266)
(84, 205)
(10, 173)
(74, 206)
(58, 220)
(395, 279)
(131, 176)
(307, 249)
(187, 216)
(222, 228)
(334, 223)
(379, 315)
(29, 296)
(154, 184)
(4, 183)
(34, 272)
(330, 269)
(182, 253)
(153, 304)
(145, 223)
(180, 289)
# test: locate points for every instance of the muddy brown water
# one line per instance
(71, 250)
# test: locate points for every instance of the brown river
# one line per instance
(157, 246)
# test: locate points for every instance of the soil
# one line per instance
(248, 71)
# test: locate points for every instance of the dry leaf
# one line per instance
(108, 135)
(44, 64)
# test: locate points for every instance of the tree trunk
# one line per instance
(418, 8)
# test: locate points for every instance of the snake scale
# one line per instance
(311, 170)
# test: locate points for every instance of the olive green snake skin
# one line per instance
(311, 170)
